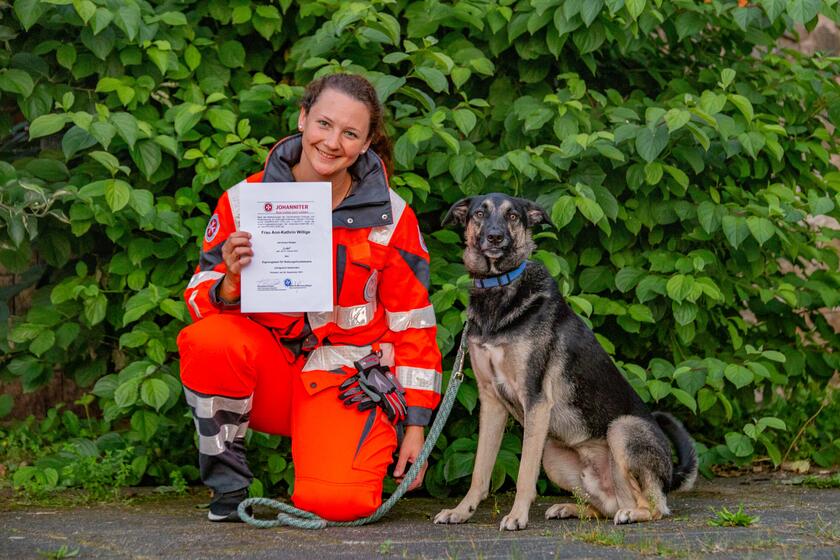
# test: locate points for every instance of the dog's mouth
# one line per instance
(493, 252)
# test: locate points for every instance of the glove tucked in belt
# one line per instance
(374, 385)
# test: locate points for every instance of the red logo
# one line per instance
(268, 207)
(212, 229)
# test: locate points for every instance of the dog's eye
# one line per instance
(479, 214)
(512, 218)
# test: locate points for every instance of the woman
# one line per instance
(291, 374)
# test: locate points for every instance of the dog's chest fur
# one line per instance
(499, 368)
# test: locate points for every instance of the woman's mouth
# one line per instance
(325, 155)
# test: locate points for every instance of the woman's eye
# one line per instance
(323, 123)
(350, 134)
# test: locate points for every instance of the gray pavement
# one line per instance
(795, 522)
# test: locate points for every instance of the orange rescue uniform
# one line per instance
(279, 373)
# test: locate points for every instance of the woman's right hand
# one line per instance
(236, 253)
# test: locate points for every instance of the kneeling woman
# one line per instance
(294, 374)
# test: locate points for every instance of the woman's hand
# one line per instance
(409, 451)
(236, 253)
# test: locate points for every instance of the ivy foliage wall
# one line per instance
(682, 156)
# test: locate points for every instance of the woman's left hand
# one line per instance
(409, 451)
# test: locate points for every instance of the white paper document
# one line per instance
(291, 235)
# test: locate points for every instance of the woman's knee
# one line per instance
(337, 501)
(216, 354)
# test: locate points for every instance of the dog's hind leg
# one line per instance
(491, 426)
(633, 453)
(537, 418)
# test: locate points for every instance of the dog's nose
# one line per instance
(495, 238)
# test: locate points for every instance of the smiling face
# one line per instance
(498, 235)
(336, 130)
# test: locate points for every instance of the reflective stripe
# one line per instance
(200, 277)
(419, 378)
(345, 317)
(206, 407)
(422, 318)
(233, 198)
(382, 234)
(215, 445)
(194, 305)
(326, 358)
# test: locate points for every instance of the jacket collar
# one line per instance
(369, 203)
(502, 279)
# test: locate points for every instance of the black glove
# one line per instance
(374, 385)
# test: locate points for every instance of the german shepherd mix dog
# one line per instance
(537, 360)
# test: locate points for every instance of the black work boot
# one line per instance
(223, 507)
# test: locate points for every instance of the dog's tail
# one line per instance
(685, 470)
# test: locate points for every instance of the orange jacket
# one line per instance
(380, 299)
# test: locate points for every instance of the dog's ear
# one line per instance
(536, 214)
(458, 212)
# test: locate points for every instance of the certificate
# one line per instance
(291, 236)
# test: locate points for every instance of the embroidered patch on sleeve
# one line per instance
(422, 242)
(212, 228)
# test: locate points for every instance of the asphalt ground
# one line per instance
(795, 521)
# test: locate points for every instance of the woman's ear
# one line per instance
(301, 119)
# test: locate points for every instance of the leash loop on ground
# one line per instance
(290, 516)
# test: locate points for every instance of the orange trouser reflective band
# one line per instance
(340, 455)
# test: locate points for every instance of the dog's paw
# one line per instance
(561, 511)
(452, 516)
(514, 522)
(624, 516)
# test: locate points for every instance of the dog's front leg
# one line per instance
(491, 426)
(536, 418)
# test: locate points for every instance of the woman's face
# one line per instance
(335, 132)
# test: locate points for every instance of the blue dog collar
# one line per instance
(501, 280)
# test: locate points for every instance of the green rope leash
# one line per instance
(291, 516)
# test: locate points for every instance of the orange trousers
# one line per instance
(340, 455)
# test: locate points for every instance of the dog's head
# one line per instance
(498, 231)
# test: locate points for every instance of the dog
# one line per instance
(535, 359)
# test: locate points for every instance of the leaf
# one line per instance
(16, 81)
(735, 229)
(651, 142)
(675, 119)
(679, 287)
(145, 423)
(46, 125)
(127, 127)
(117, 194)
(43, 342)
(154, 393)
(563, 211)
(761, 228)
(635, 7)
(28, 12)
(739, 444)
(465, 120)
(803, 11)
(147, 156)
(707, 215)
(589, 10)
(433, 77)
(590, 209)
(232, 54)
(95, 308)
(743, 104)
(125, 394)
(627, 278)
(222, 119)
(128, 19)
(658, 389)
(685, 399)
(738, 375)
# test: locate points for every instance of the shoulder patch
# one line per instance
(420, 236)
(212, 228)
